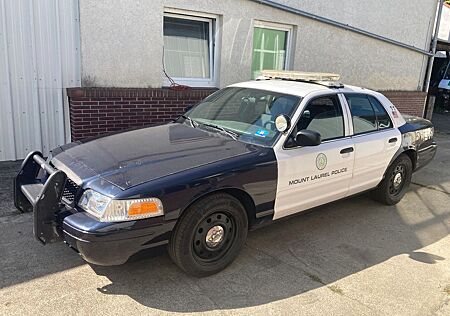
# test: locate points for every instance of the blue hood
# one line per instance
(134, 157)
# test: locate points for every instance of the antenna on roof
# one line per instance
(325, 79)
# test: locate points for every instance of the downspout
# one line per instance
(433, 47)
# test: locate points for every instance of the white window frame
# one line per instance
(213, 47)
(279, 27)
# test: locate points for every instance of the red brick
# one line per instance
(95, 111)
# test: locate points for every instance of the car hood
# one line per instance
(134, 157)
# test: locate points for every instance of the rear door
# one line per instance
(311, 176)
(375, 139)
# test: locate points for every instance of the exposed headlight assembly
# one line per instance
(109, 210)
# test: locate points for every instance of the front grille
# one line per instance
(70, 191)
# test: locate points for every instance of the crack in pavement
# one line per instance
(430, 188)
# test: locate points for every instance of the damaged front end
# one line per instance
(51, 190)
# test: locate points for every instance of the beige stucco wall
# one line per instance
(444, 28)
(122, 40)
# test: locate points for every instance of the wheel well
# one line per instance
(241, 195)
(412, 154)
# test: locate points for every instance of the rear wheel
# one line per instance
(209, 235)
(396, 181)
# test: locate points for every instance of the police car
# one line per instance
(247, 155)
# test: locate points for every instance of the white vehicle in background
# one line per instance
(444, 88)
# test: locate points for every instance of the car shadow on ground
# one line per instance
(291, 257)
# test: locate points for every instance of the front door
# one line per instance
(311, 176)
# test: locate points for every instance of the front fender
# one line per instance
(255, 175)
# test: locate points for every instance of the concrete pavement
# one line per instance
(350, 257)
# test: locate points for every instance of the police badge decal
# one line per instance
(321, 161)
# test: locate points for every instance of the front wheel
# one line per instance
(396, 181)
(209, 235)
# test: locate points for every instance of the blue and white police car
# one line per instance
(247, 155)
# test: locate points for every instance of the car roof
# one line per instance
(301, 89)
(292, 87)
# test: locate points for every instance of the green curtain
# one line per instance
(269, 50)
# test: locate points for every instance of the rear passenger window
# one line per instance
(383, 119)
(364, 118)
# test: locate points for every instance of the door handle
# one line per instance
(393, 140)
(347, 150)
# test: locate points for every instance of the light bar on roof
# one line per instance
(299, 75)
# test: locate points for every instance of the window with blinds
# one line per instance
(189, 48)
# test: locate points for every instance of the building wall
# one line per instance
(122, 40)
(96, 111)
(39, 59)
(412, 103)
(122, 52)
(444, 28)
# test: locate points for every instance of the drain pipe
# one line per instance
(431, 99)
(433, 47)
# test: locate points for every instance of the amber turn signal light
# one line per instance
(141, 208)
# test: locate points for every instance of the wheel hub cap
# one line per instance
(214, 236)
(398, 180)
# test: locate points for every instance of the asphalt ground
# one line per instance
(351, 257)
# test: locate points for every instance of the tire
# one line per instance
(209, 235)
(396, 181)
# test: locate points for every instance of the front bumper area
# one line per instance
(101, 243)
(43, 197)
(106, 244)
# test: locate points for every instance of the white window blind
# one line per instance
(187, 47)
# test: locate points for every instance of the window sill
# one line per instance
(193, 83)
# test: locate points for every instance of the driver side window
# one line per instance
(322, 115)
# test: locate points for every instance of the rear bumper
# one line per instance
(425, 155)
(101, 243)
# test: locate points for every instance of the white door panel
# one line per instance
(373, 152)
(304, 182)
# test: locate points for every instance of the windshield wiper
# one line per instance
(193, 123)
(220, 128)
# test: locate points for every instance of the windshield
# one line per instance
(247, 114)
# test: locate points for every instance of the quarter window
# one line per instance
(383, 119)
(368, 113)
(323, 115)
(270, 48)
(189, 49)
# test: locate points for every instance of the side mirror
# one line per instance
(306, 114)
(308, 138)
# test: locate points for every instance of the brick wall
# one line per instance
(408, 102)
(95, 111)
